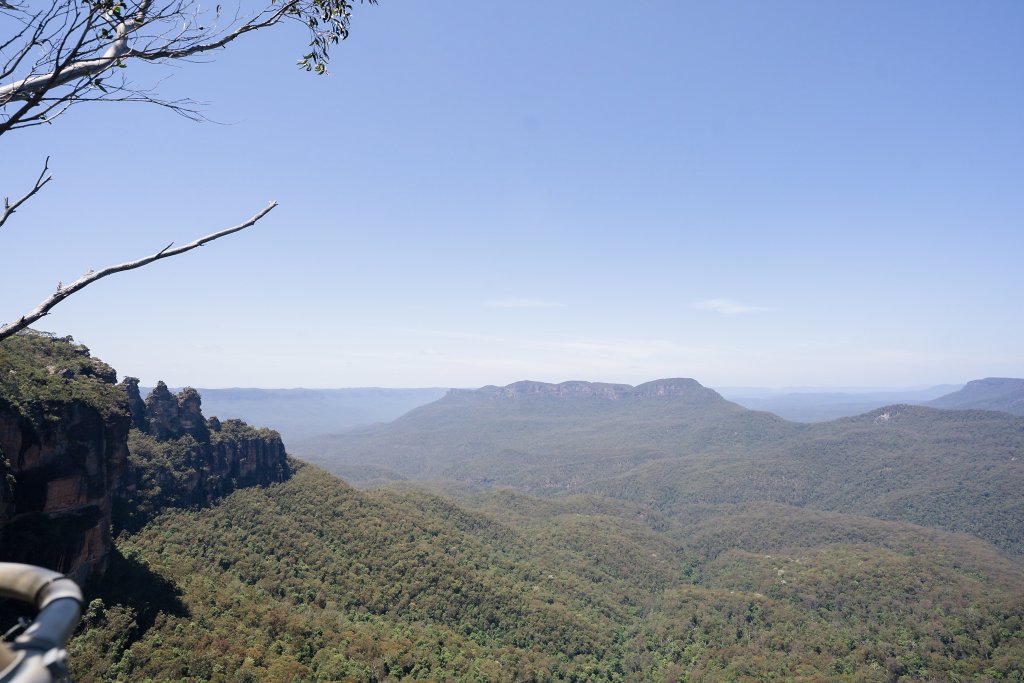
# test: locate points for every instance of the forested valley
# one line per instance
(529, 533)
(314, 580)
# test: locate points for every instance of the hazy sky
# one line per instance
(746, 193)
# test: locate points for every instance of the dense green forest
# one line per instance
(314, 580)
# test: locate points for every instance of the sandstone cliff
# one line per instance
(181, 459)
(80, 453)
(63, 446)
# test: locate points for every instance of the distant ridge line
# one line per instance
(672, 387)
(1004, 394)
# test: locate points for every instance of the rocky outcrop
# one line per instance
(72, 465)
(63, 438)
(167, 416)
(182, 459)
(136, 405)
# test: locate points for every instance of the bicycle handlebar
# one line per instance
(37, 655)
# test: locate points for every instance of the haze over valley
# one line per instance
(303, 413)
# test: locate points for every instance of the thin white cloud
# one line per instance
(518, 302)
(729, 307)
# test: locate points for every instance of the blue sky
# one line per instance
(759, 194)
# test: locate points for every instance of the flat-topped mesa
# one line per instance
(563, 390)
(676, 386)
(661, 388)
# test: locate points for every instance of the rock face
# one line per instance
(80, 453)
(135, 403)
(169, 417)
(63, 443)
(182, 459)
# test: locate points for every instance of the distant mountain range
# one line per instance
(302, 413)
(993, 393)
(822, 405)
(685, 450)
(299, 413)
(471, 434)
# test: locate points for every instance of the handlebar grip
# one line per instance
(58, 601)
(36, 585)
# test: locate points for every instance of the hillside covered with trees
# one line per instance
(683, 450)
(232, 563)
(314, 580)
(1005, 394)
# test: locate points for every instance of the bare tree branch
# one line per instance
(63, 59)
(76, 44)
(12, 63)
(40, 181)
(199, 48)
(74, 67)
(64, 291)
(58, 53)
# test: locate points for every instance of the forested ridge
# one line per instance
(992, 393)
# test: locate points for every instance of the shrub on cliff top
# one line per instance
(37, 368)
